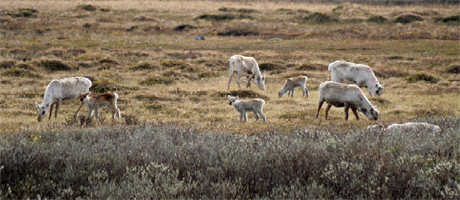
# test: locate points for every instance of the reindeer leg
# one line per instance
(346, 111)
(51, 110)
(249, 82)
(356, 113)
(327, 109)
(78, 110)
(57, 108)
(319, 108)
(257, 116)
(229, 80)
(238, 81)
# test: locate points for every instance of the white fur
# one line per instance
(292, 83)
(407, 128)
(96, 101)
(243, 106)
(348, 96)
(247, 67)
(361, 75)
(412, 128)
(59, 90)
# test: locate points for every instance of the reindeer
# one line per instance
(245, 66)
(59, 90)
(96, 101)
(242, 106)
(292, 83)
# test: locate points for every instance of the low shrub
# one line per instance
(270, 66)
(173, 63)
(320, 18)
(108, 60)
(224, 17)
(407, 18)
(166, 161)
(87, 7)
(240, 29)
(53, 65)
(312, 67)
(421, 77)
(377, 19)
(144, 66)
(184, 27)
(242, 10)
(452, 20)
(5, 64)
(19, 72)
(103, 85)
(454, 69)
(157, 79)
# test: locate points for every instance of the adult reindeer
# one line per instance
(59, 90)
(248, 67)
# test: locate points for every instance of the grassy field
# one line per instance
(146, 52)
(179, 138)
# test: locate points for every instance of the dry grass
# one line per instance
(110, 45)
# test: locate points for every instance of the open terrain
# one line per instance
(147, 53)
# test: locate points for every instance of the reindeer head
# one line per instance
(232, 99)
(42, 111)
(83, 96)
(261, 82)
(378, 89)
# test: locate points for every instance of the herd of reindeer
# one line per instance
(335, 93)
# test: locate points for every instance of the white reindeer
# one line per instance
(413, 128)
(248, 67)
(59, 90)
(361, 75)
(348, 96)
(292, 83)
(96, 101)
(243, 106)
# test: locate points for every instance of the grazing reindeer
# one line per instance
(361, 75)
(248, 67)
(292, 83)
(242, 106)
(96, 101)
(59, 90)
(348, 96)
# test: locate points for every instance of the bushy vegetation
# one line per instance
(168, 162)
(178, 137)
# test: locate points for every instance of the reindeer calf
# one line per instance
(96, 101)
(292, 83)
(242, 106)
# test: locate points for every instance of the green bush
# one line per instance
(164, 161)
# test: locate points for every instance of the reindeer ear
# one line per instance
(37, 104)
